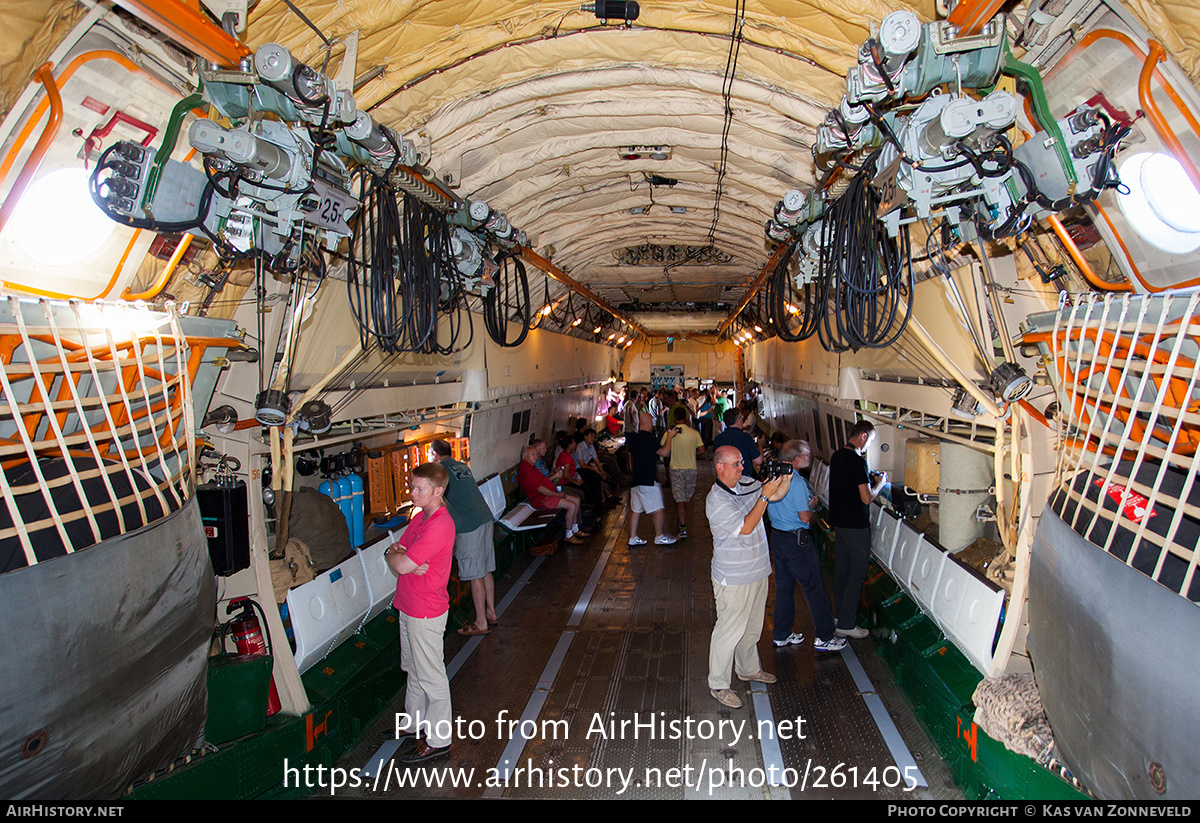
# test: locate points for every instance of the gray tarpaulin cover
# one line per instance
(103, 660)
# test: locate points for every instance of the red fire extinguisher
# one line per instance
(249, 638)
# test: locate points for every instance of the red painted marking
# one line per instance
(1135, 505)
(95, 105)
(315, 730)
(971, 737)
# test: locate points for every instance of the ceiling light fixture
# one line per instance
(624, 10)
(644, 152)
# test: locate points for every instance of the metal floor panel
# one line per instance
(640, 652)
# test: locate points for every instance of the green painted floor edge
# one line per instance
(254, 765)
(938, 681)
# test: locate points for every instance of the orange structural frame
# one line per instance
(1110, 347)
(121, 360)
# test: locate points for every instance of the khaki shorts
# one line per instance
(683, 484)
(646, 499)
(475, 553)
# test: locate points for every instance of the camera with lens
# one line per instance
(775, 467)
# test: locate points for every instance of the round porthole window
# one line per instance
(1162, 205)
(56, 223)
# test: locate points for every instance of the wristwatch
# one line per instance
(763, 498)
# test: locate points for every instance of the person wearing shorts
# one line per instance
(684, 443)
(473, 546)
(544, 494)
(645, 494)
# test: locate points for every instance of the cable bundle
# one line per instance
(399, 257)
(863, 279)
(508, 298)
(781, 293)
(865, 276)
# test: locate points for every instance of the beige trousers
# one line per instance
(734, 645)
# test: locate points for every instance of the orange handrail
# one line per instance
(34, 161)
(1165, 133)
(63, 78)
(1084, 268)
(164, 278)
(1149, 69)
(1120, 242)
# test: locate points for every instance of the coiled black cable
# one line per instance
(401, 275)
(780, 293)
(509, 298)
(865, 276)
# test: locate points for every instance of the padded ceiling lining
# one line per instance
(524, 105)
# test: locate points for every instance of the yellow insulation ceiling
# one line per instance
(524, 104)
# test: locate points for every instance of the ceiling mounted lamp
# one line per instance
(624, 10)
(758, 329)
(596, 330)
(576, 321)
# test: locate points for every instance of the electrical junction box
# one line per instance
(226, 516)
(923, 465)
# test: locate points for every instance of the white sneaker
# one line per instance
(858, 632)
(793, 639)
(664, 540)
(636, 541)
(833, 644)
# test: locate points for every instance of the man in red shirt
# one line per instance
(544, 494)
(421, 562)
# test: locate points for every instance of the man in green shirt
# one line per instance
(473, 547)
(721, 406)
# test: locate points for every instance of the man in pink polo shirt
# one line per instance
(421, 561)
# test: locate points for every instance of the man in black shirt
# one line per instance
(740, 440)
(851, 490)
(645, 493)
